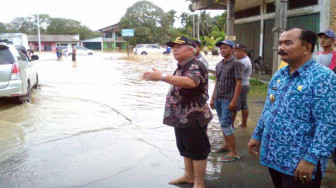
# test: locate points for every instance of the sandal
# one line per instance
(221, 150)
(229, 158)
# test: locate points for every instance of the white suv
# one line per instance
(80, 50)
(145, 49)
(17, 73)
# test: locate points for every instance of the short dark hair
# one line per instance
(307, 36)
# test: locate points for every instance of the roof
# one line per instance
(54, 38)
(97, 39)
(110, 28)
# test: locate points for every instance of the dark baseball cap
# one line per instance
(226, 42)
(241, 46)
(197, 42)
(329, 33)
(182, 40)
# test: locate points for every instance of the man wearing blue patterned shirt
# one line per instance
(297, 128)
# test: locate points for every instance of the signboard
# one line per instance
(127, 32)
(227, 37)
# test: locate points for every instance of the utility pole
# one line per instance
(194, 25)
(280, 24)
(230, 21)
(38, 31)
(198, 25)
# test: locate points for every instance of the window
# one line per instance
(270, 7)
(108, 35)
(248, 12)
(293, 4)
(22, 56)
(5, 56)
(47, 47)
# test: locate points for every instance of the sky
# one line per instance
(95, 14)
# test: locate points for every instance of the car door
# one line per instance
(26, 69)
(157, 49)
(81, 50)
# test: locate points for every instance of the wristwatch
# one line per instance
(163, 77)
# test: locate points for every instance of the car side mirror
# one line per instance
(34, 58)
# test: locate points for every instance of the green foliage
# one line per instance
(257, 88)
(150, 23)
(211, 41)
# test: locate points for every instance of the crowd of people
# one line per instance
(296, 132)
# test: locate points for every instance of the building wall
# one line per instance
(333, 15)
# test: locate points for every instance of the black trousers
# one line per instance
(281, 180)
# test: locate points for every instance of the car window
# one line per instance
(22, 56)
(140, 46)
(79, 48)
(149, 46)
(156, 47)
(5, 56)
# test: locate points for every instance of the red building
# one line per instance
(49, 42)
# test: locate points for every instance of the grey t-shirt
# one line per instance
(203, 60)
(247, 71)
(324, 59)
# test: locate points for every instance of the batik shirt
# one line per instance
(188, 107)
(299, 118)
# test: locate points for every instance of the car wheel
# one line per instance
(37, 81)
(69, 54)
(143, 53)
(90, 53)
(27, 97)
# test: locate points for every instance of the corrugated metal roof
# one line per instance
(109, 28)
(54, 38)
(97, 39)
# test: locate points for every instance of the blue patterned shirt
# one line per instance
(299, 118)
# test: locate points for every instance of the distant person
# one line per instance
(168, 50)
(73, 53)
(187, 110)
(199, 55)
(30, 51)
(58, 51)
(229, 74)
(240, 53)
(296, 131)
(327, 57)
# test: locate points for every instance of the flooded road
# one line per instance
(98, 124)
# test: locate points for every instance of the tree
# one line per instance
(206, 23)
(3, 28)
(150, 23)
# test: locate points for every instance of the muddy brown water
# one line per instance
(98, 124)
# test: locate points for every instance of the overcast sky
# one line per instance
(95, 14)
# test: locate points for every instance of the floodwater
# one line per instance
(98, 124)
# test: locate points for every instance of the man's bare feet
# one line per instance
(243, 125)
(183, 179)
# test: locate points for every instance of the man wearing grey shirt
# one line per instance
(198, 54)
(327, 57)
(240, 53)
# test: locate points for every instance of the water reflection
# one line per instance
(100, 125)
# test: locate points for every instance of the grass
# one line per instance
(257, 88)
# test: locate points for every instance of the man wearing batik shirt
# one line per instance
(297, 128)
(327, 57)
(187, 110)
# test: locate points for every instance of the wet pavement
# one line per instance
(98, 124)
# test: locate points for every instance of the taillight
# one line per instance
(15, 71)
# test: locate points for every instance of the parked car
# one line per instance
(145, 49)
(80, 50)
(17, 73)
